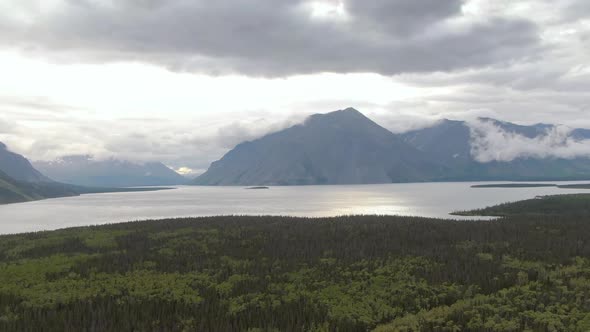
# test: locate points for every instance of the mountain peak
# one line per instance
(347, 115)
(341, 147)
(448, 122)
(347, 112)
(350, 110)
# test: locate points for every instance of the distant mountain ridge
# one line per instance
(345, 147)
(87, 171)
(28, 184)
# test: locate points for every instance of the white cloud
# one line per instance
(490, 142)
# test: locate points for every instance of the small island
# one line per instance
(257, 188)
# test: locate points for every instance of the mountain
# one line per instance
(86, 171)
(18, 167)
(342, 147)
(449, 142)
(581, 134)
(533, 131)
(345, 147)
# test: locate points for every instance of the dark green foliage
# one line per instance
(558, 205)
(514, 185)
(297, 274)
(575, 186)
(532, 185)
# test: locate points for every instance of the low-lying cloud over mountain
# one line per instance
(490, 142)
(87, 171)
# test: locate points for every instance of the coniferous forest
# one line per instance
(528, 271)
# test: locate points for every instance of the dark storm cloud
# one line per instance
(275, 37)
(403, 16)
(577, 9)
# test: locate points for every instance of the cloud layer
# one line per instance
(490, 142)
(273, 37)
(182, 81)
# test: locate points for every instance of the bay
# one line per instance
(413, 199)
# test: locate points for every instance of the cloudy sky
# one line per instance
(183, 81)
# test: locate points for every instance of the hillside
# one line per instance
(18, 167)
(12, 191)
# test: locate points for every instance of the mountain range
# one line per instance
(87, 171)
(345, 147)
(20, 181)
(342, 147)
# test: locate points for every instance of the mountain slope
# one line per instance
(10, 191)
(13, 191)
(85, 171)
(447, 142)
(18, 167)
(342, 147)
(21, 182)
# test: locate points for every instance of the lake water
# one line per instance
(415, 199)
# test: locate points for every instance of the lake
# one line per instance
(415, 199)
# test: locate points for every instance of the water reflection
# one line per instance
(418, 199)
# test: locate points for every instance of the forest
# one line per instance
(554, 205)
(523, 272)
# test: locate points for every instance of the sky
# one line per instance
(183, 81)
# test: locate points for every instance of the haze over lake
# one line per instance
(415, 199)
